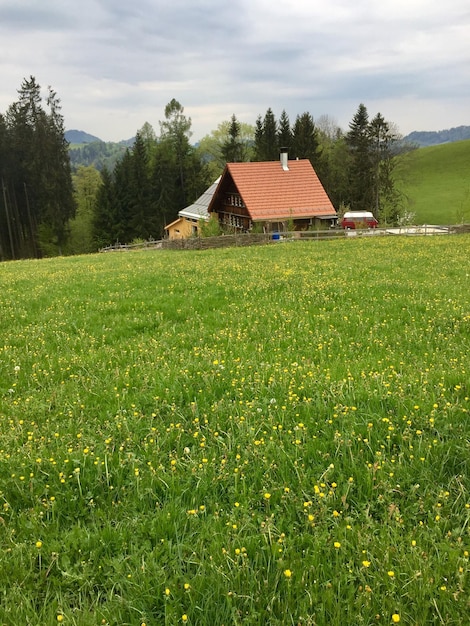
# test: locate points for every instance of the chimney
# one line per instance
(284, 159)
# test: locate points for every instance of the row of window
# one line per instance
(234, 199)
(234, 220)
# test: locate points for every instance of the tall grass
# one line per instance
(273, 435)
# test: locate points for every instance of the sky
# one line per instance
(115, 64)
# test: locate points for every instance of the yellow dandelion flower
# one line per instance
(287, 573)
(38, 545)
(395, 618)
(267, 496)
(337, 545)
(60, 618)
(366, 563)
(184, 618)
(391, 574)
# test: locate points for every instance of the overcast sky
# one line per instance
(115, 64)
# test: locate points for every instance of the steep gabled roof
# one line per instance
(198, 210)
(270, 192)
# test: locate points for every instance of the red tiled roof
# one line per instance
(269, 192)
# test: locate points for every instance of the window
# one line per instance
(236, 221)
(234, 199)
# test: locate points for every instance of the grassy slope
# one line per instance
(437, 181)
(276, 435)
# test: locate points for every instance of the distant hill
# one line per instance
(97, 153)
(79, 136)
(434, 138)
(436, 180)
(86, 149)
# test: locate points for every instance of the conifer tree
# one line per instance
(361, 165)
(232, 149)
(37, 186)
(284, 135)
(266, 139)
(105, 218)
(372, 158)
(142, 209)
(305, 140)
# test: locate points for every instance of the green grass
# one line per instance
(437, 182)
(274, 435)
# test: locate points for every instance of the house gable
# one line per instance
(271, 192)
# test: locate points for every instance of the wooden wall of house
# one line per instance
(181, 229)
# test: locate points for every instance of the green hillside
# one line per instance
(437, 182)
(276, 435)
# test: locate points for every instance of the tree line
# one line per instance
(36, 200)
(47, 208)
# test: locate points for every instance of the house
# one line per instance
(189, 219)
(272, 195)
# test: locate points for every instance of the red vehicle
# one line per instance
(359, 219)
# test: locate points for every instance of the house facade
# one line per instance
(271, 195)
(267, 196)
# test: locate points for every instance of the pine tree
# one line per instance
(361, 174)
(266, 140)
(372, 158)
(259, 141)
(105, 216)
(284, 134)
(232, 149)
(59, 207)
(143, 220)
(305, 140)
(37, 186)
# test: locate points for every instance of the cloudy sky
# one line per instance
(115, 64)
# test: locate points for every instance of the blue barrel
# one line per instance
(276, 236)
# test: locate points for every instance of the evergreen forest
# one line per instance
(51, 204)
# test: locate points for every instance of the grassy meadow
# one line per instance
(270, 435)
(436, 180)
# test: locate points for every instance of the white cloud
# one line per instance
(116, 64)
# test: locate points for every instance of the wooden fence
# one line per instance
(251, 239)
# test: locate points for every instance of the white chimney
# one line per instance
(284, 159)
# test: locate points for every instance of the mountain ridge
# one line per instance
(424, 138)
(78, 137)
(419, 138)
